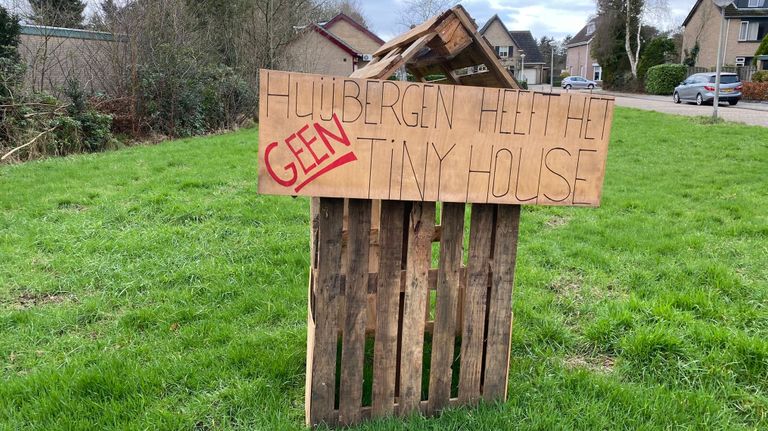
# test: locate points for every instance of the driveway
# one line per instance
(755, 114)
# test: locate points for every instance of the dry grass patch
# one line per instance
(28, 300)
(598, 364)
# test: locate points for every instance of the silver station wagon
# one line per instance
(700, 88)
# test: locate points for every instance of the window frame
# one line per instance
(505, 51)
(753, 3)
(597, 72)
(744, 36)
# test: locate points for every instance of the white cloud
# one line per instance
(555, 18)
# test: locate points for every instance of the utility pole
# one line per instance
(721, 4)
(552, 71)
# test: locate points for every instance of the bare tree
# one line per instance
(638, 13)
(58, 13)
(350, 8)
(414, 12)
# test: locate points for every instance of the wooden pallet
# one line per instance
(398, 322)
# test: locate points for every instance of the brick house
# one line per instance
(510, 45)
(746, 25)
(579, 60)
(336, 47)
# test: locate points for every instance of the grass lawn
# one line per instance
(152, 288)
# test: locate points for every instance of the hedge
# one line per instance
(663, 79)
(760, 76)
(755, 91)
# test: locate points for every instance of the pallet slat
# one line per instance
(356, 295)
(322, 353)
(475, 301)
(371, 272)
(448, 280)
(420, 231)
(500, 302)
(387, 307)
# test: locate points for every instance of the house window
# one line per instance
(591, 28)
(503, 51)
(598, 72)
(748, 30)
(740, 61)
(754, 3)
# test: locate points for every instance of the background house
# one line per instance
(54, 55)
(746, 25)
(510, 45)
(579, 60)
(336, 47)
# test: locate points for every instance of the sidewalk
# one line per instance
(752, 113)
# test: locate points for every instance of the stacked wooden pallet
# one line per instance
(440, 336)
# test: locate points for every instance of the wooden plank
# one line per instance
(387, 308)
(412, 34)
(475, 301)
(389, 65)
(373, 279)
(314, 211)
(356, 294)
(481, 79)
(485, 48)
(373, 261)
(366, 412)
(500, 303)
(428, 142)
(373, 235)
(452, 220)
(420, 232)
(322, 368)
(451, 77)
(418, 44)
(379, 69)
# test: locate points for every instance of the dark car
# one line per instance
(700, 88)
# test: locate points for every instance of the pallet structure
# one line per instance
(390, 332)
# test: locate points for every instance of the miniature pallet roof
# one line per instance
(441, 45)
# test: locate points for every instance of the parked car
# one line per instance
(578, 82)
(700, 88)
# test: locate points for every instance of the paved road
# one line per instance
(745, 112)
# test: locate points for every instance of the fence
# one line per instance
(745, 72)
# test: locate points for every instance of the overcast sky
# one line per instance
(556, 18)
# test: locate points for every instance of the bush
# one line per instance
(180, 97)
(170, 96)
(227, 99)
(564, 74)
(762, 49)
(755, 91)
(38, 124)
(663, 79)
(658, 51)
(760, 76)
(94, 130)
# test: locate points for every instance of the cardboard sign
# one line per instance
(328, 136)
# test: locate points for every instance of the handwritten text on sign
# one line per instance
(363, 138)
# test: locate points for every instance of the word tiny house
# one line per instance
(402, 318)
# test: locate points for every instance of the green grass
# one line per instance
(152, 288)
